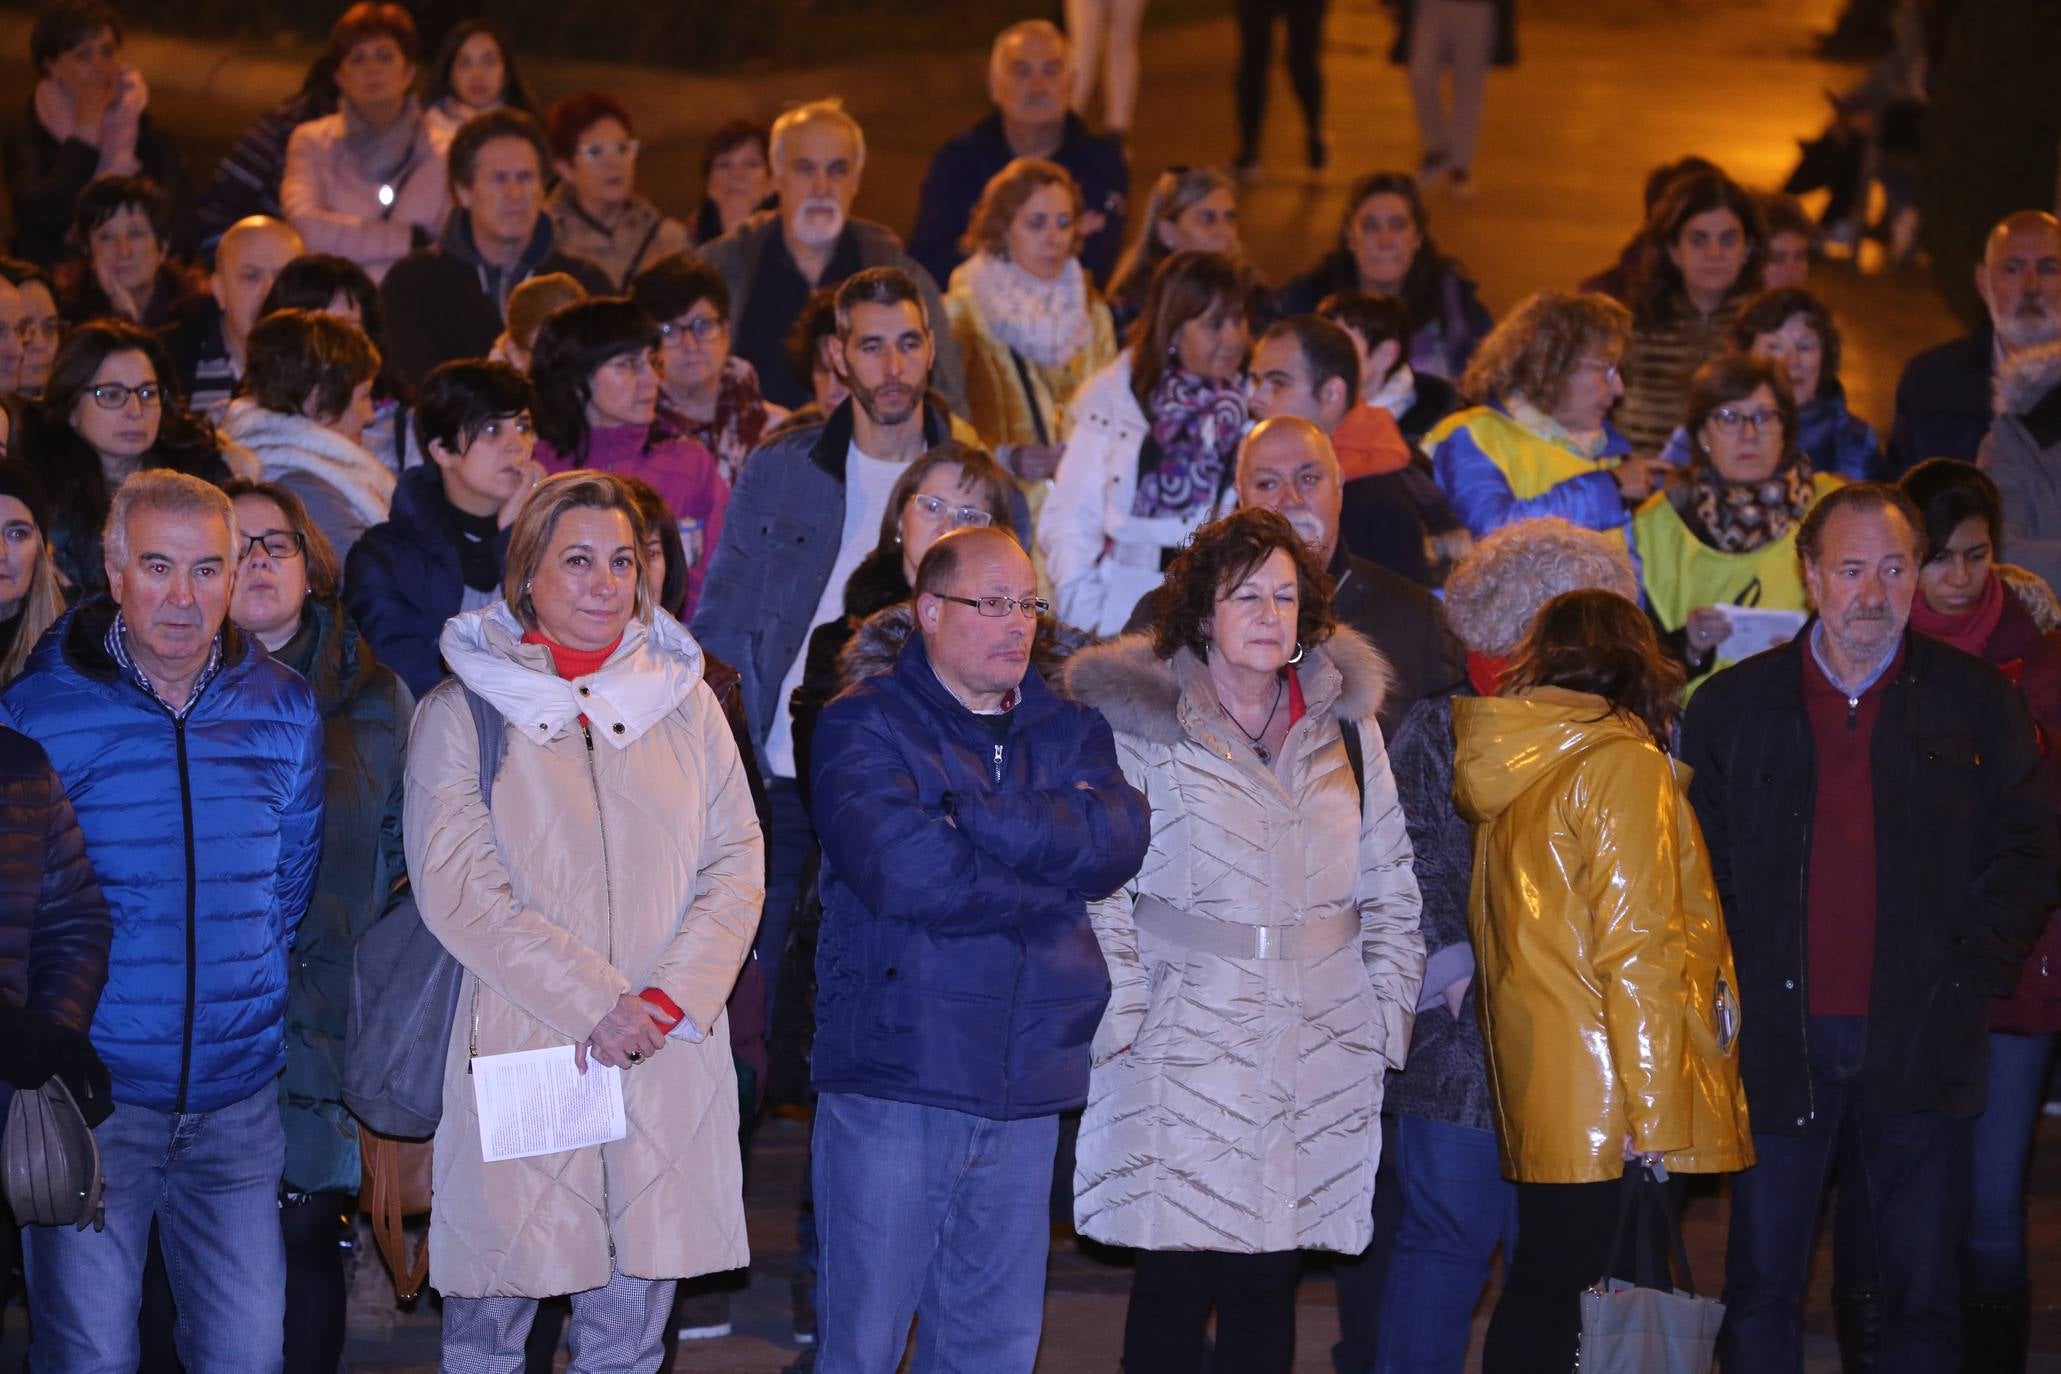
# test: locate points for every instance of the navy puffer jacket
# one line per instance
(956, 967)
(402, 580)
(204, 833)
(54, 926)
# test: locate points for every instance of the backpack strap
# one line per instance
(1355, 754)
(492, 728)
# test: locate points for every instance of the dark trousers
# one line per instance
(1564, 1236)
(1256, 54)
(1362, 1278)
(316, 1228)
(786, 849)
(1911, 1172)
(1172, 1292)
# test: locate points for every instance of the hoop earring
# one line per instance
(1298, 654)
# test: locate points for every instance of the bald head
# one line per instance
(247, 261)
(981, 658)
(2020, 279)
(1030, 76)
(10, 338)
(1287, 465)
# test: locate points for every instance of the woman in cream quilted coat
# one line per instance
(1266, 960)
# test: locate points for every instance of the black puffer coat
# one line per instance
(54, 924)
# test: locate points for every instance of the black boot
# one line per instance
(1995, 1332)
(1857, 1316)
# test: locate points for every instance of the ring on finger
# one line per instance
(636, 1057)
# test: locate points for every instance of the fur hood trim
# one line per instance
(877, 643)
(2026, 378)
(1140, 694)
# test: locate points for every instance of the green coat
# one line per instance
(365, 714)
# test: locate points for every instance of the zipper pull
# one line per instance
(998, 765)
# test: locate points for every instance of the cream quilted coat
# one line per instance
(632, 862)
(1235, 1104)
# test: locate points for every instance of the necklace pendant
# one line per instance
(1265, 755)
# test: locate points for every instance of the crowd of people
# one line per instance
(1241, 769)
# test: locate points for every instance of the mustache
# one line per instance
(2032, 308)
(1862, 614)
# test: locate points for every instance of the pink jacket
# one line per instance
(335, 206)
(680, 470)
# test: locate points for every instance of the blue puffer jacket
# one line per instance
(204, 833)
(402, 580)
(956, 967)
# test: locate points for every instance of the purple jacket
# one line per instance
(680, 470)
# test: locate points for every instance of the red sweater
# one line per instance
(1839, 908)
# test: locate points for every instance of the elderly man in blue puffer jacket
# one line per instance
(194, 762)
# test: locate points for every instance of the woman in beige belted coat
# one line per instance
(1266, 960)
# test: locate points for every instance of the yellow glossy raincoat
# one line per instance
(1607, 994)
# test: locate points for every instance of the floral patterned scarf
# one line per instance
(1196, 425)
(1739, 517)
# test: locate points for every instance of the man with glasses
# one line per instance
(11, 342)
(194, 760)
(967, 815)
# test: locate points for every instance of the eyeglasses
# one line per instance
(622, 147)
(1609, 370)
(703, 328)
(963, 517)
(28, 331)
(114, 395)
(277, 544)
(1732, 421)
(995, 607)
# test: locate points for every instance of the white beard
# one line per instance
(1307, 525)
(811, 229)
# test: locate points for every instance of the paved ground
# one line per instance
(1609, 88)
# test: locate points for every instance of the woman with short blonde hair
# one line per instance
(603, 903)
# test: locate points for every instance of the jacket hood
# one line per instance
(2026, 378)
(876, 584)
(1145, 696)
(880, 638)
(78, 641)
(1504, 745)
(2032, 593)
(295, 443)
(647, 677)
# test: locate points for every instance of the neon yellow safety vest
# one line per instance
(1682, 573)
(1532, 465)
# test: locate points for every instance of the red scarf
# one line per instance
(1485, 672)
(1368, 443)
(1970, 630)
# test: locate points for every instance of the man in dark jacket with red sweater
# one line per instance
(967, 815)
(1883, 844)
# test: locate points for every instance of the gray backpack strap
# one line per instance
(492, 728)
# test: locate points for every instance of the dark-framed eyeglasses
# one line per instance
(1732, 421)
(962, 517)
(115, 395)
(278, 545)
(28, 331)
(995, 607)
(703, 328)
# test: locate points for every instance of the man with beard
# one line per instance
(1885, 851)
(1943, 398)
(1287, 465)
(774, 259)
(1030, 72)
(805, 511)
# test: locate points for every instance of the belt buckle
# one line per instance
(1266, 942)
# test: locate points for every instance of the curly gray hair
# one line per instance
(1497, 589)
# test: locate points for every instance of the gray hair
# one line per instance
(829, 110)
(1028, 28)
(1492, 597)
(167, 493)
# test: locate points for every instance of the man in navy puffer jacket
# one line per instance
(194, 761)
(967, 814)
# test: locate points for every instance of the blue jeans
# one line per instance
(211, 1180)
(1457, 1207)
(924, 1211)
(1913, 1173)
(1993, 1258)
